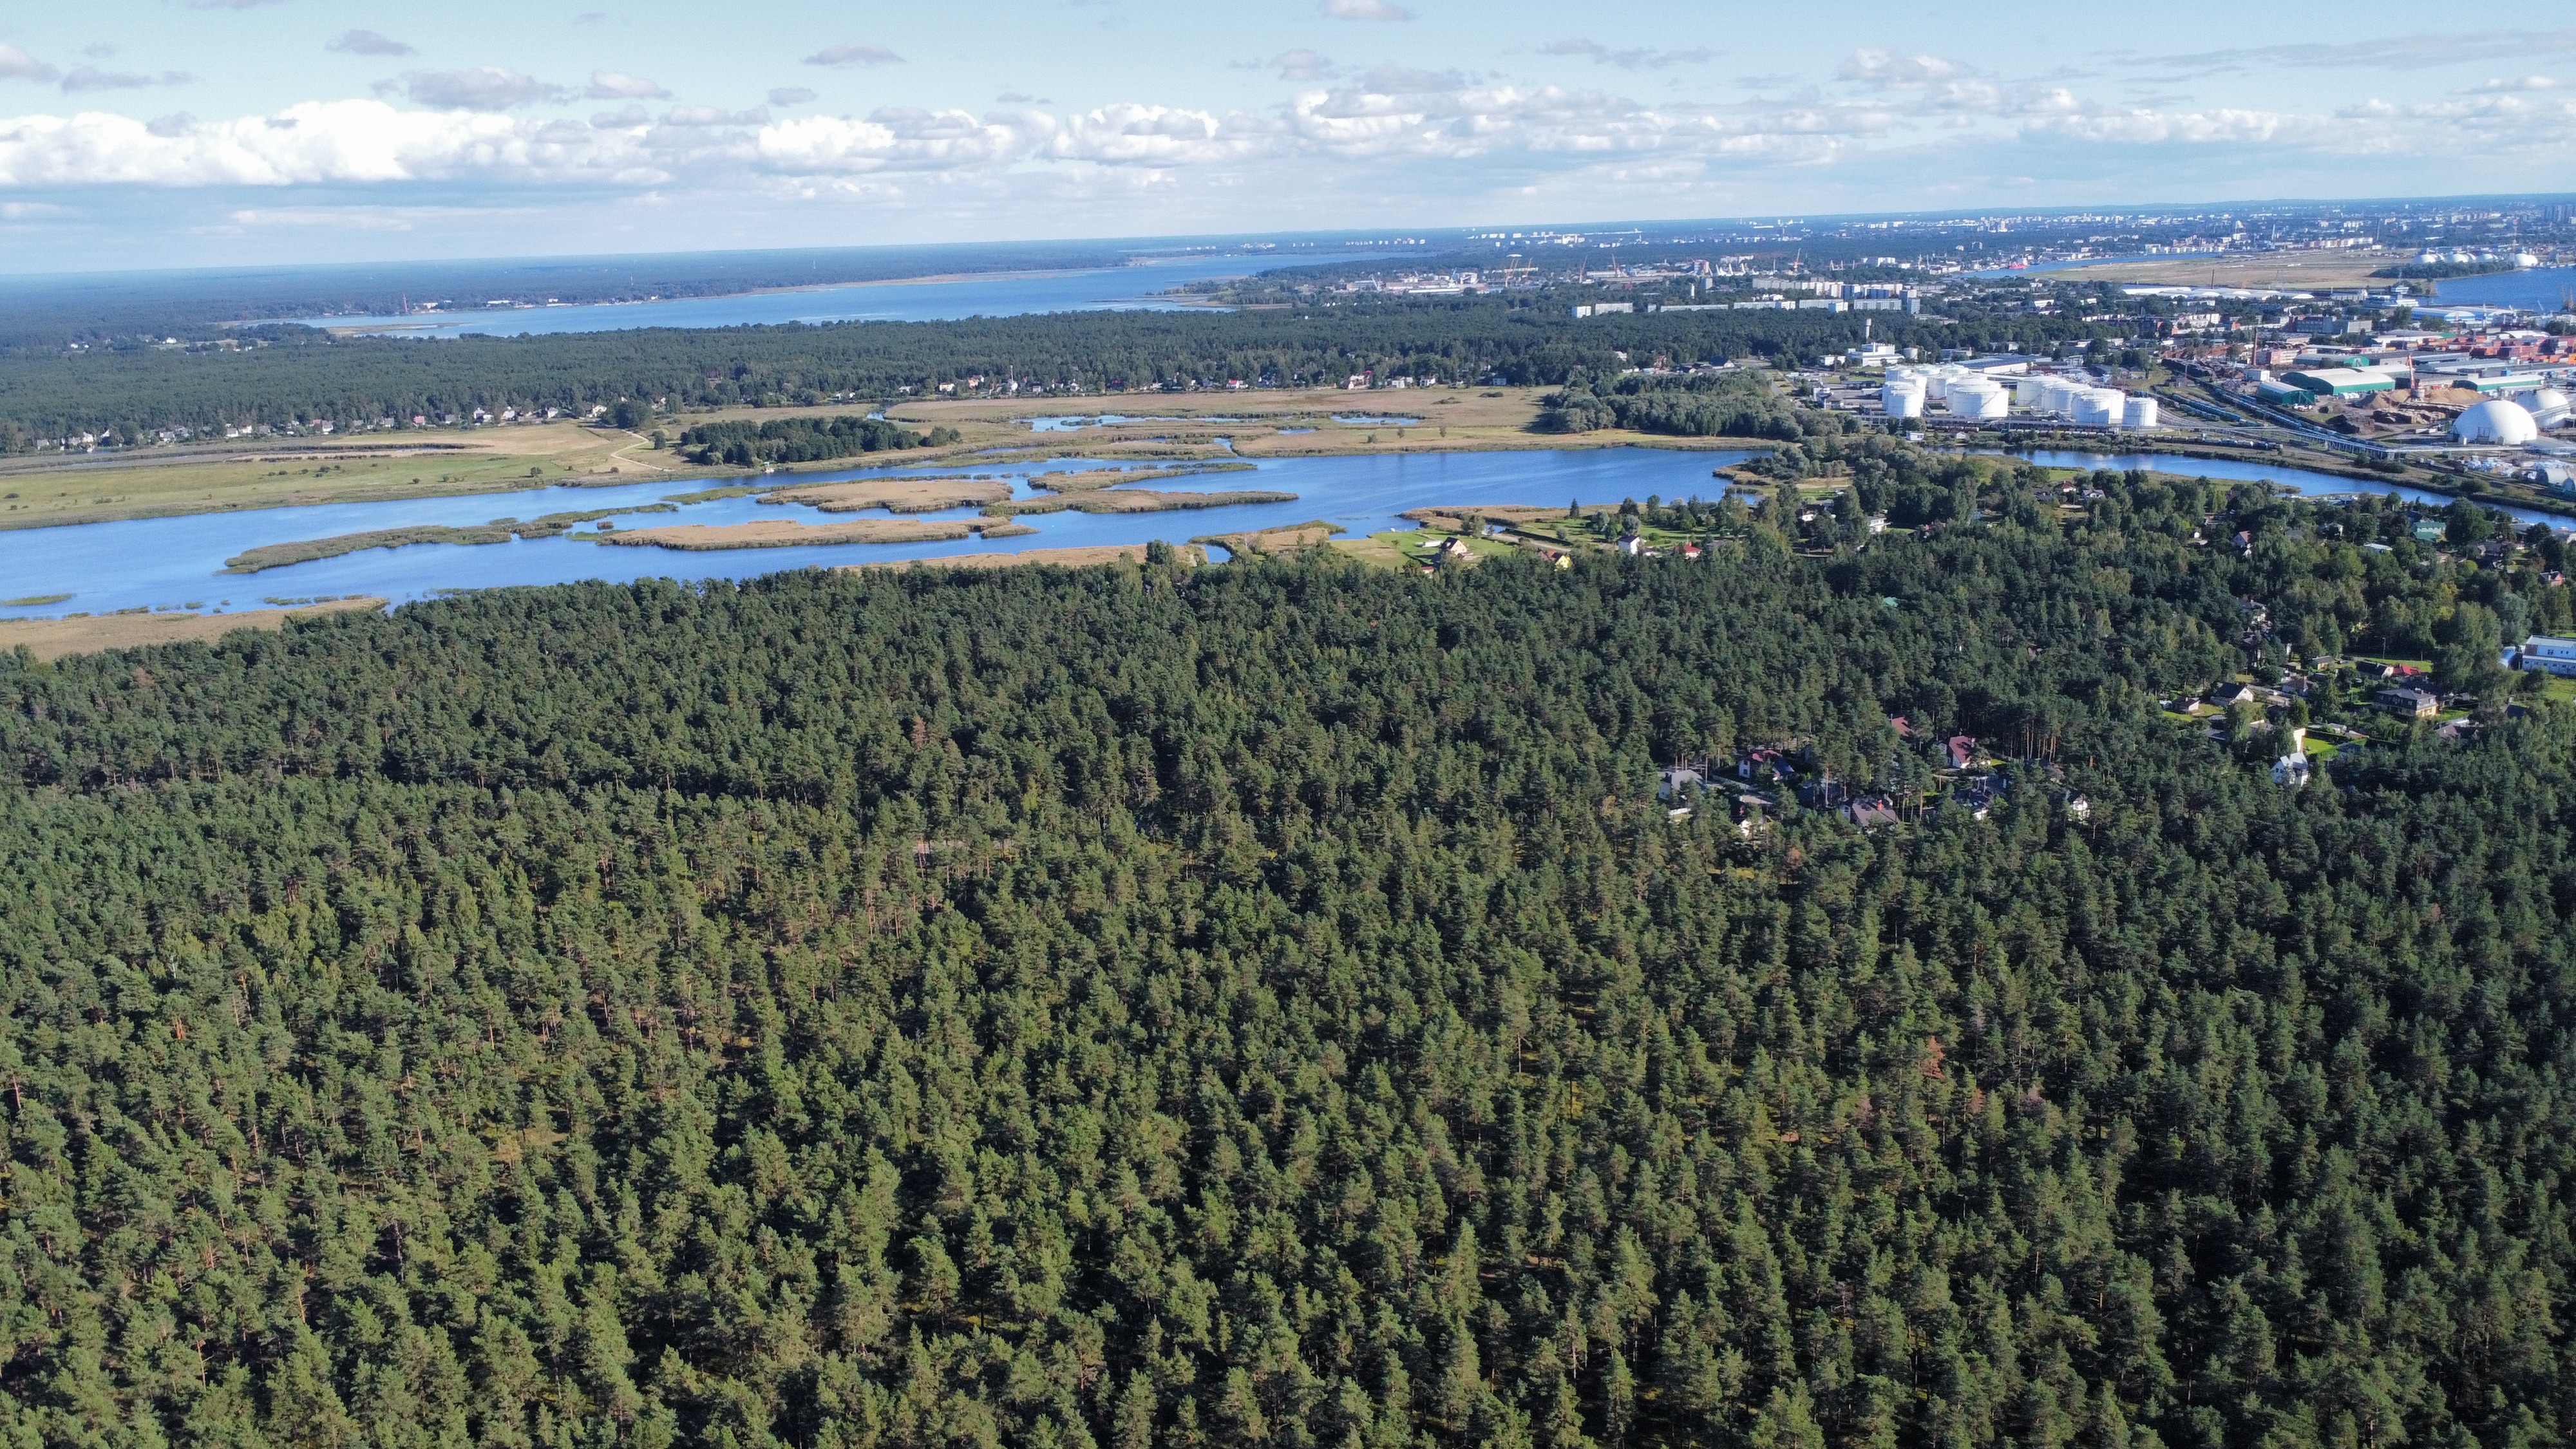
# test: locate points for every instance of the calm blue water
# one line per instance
(175, 561)
(2541, 289)
(1005, 294)
(1103, 420)
(164, 562)
(2246, 471)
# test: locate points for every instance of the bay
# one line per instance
(1140, 286)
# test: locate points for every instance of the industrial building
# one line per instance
(2326, 382)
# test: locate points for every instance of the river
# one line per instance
(2248, 471)
(1140, 286)
(178, 562)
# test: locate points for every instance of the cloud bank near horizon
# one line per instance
(1574, 125)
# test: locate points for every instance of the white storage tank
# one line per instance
(1902, 399)
(2099, 407)
(1978, 398)
(2030, 393)
(2138, 414)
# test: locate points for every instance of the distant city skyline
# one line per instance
(222, 132)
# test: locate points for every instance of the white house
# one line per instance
(2556, 656)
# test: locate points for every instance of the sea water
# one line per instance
(1143, 286)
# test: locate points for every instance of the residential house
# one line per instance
(1977, 794)
(1824, 794)
(1872, 813)
(1680, 776)
(2292, 768)
(2410, 703)
(1961, 750)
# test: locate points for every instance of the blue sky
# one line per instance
(206, 132)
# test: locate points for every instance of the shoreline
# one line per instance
(420, 320)
(1111, 449)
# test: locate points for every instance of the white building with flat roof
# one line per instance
(2549, 655)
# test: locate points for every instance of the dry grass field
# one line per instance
(84, 634)
(897, 495)
(1072, 558)
(994, 432)
(788, 533)
(1290, 539)
(2286, 271)
(159, 483)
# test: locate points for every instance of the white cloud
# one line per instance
(854, 52)
(1141, 135)
(896, 138)
(1301, 65)
(715, 116)
(2197, 128)
(2394, 52)
(1643, 58)
(91, 78)
(366, 42)
(790, 96)
(487, 87)
(617, 85)
(2518, 83)
(1884, 68)
(312, 143)
(1397, 131)
(1366, 10)
(16, 64)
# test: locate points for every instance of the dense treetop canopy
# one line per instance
(1268, 1005)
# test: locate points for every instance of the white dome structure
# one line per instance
(2545, 404)
(2495, 421)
